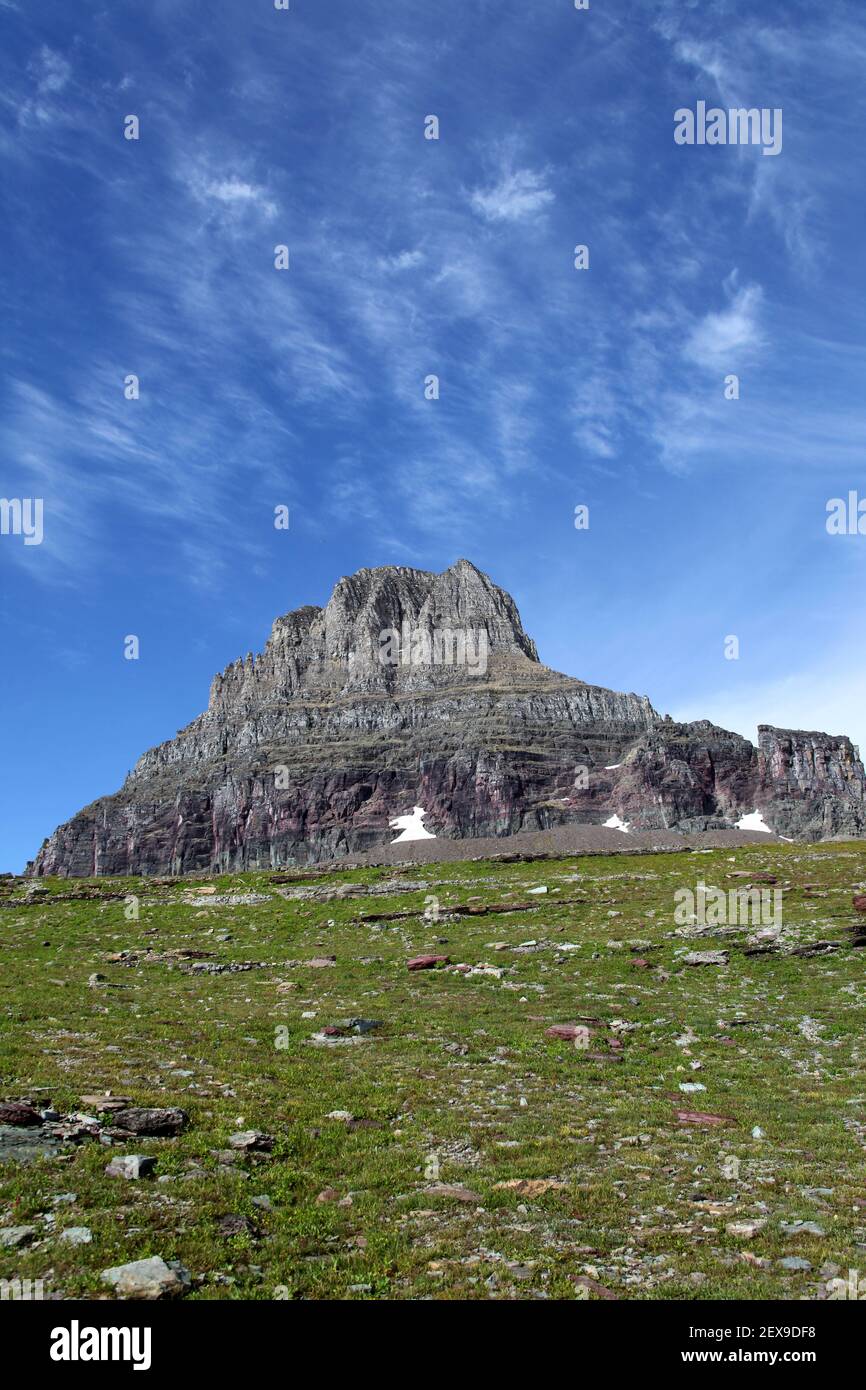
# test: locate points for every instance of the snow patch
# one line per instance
(411, 827)
(616, 824)
(755, 821)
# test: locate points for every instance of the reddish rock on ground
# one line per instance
(568, 1032)
(698, 1117)
(427, 962)
(12, 1113)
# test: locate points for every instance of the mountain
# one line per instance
(413, 688)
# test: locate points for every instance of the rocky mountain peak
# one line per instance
(411, 688)
(372, 602)
(385, 629)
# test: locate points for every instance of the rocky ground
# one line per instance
(436, 1081)
(560, 841)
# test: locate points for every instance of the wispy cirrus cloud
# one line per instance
(517, 195)
(728, 336)
(404, 260)
(403, 276)
(597, 414)
(49, 72)
(236, 193)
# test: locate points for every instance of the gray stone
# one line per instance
(147, 1279)
(130, 1166)
(11, 1237)
(26, 1145)
(744, 1230)
(706, 958)
(802, 1228)
(235, 1225)
(156, 1122)
(252, 1140)
(77, 1235)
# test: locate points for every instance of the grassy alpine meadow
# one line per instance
(697, 1132)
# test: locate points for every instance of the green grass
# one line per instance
(448, 1074)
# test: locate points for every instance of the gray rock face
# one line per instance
(415, 688)
(814, 780)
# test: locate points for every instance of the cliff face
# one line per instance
(814, 782)
(415, 688)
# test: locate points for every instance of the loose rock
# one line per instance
(427, 962)
(147, 1279)
(454, 1193)
(12, 1237)
(77, 1235)
(12, 1113)
(744, 1230)
(158, 1123)
(131, 1166)
(252, 1141)
(706, 958)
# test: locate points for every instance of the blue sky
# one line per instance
(410, 257)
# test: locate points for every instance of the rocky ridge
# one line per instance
(307, 750)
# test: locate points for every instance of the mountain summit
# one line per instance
(413, 688)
